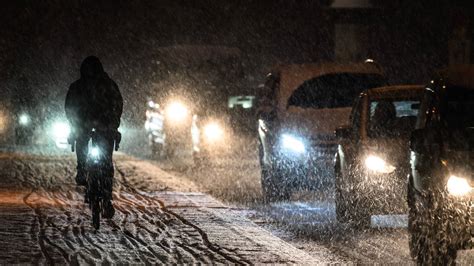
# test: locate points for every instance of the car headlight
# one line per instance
(61, 130)
(292, 144)
(458, 186)
(176, 111)
(24, 119)
(213, 131)
(379, 165)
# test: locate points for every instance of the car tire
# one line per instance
(273, 189)
(349, 209)
(429, 237)
(353, 212)
(156, 150)
(21, 137)
(414, 236)
(201, 159)
(169, 151)
(340, 203)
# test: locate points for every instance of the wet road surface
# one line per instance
(308, 221)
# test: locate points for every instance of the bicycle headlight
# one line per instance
(94, 152)
(458, 186)
(376, 164)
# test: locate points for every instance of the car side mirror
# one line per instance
(267, 114)
(266, 109)
(343, 132)
(416, 140)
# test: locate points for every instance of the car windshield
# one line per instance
(392, 118)
(333, 90)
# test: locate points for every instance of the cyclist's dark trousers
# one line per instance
(106, 146)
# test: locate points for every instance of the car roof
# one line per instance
(328, 68)
(458, 76)
(293, 75)
(396, 91)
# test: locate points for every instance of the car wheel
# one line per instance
(414, 235)
(201, 159)
(361, 213)
(428, 229)
(169, 151)
(20, 137)
(156, 150)
(341, 208)
(350, 207)
(273, 189)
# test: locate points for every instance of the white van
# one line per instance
(299, 108)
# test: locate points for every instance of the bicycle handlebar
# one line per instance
(115, 133)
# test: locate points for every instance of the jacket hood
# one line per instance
(91, 67)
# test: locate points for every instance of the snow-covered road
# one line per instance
(43, 219)
(308, 221)
(172, 216)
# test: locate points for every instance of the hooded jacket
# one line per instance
(93, 101)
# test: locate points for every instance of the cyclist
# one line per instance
(94, 102)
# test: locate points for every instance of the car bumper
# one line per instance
(462, 222)
(466, 203)
(306, 169)
(383, 193)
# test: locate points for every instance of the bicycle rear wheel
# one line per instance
(96, 210)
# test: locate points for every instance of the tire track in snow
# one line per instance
(42, 238)
(96, 250)
(203, 235)
(141, 218)
(144, 231)
(138, 241)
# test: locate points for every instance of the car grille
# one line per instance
(323, 146)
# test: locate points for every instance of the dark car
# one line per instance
(299, 108)
(154, 127)
(440, 193)
(169, 127)
(24, 129)
(179, 130)
(371, 163)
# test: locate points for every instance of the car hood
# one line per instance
(393, 150)
(314, 122)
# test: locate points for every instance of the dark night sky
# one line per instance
(45, 41)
